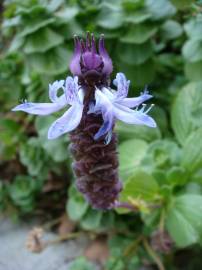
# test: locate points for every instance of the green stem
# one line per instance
(153, 255)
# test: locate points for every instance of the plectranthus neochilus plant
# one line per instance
(92, 110)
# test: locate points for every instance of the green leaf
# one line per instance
(182, 4)
(91, 220)
(76, 205)
(139, 33)
(132, 5)
(176, 176)
(181, 113)
(16, 44)
(171, 30)
(111, 16)
(196, 112)
(140, 185)
(22, 192)
(140, 75)
(11, 22)
(192, 50)
(42, 40)
(131, 153)
(138, 16)
(127, 132)
(31, 10)
(184, 220)
(192, 152)
(194, 188)
(34, 158)
(135, 54)
(56, 149)
(81, 263)
(52, 62)
(162, 154)
(35, 24)
(193, 27)
(66, 15)
(193, 71)
(53, 5)
(160, 9)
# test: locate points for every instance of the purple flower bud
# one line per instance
(87, 62)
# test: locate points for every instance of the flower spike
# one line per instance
(92, 109)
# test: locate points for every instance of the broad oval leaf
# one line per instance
(181, 4)
(171, 29)
(35, 24)
(193, 27)
(127, 132)
(140, 75)
(140, 185)
(140, 33)
(181, 113)
(131, 153)
(192, 50)
(193, 71)
(160, 9)
(76, 205)
(135, 54)
(52, 62)
(184, 220)
(192, 152)
(111, 16)
(91, 220)
(42, 41)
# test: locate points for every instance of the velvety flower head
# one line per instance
(86, 60)
(92, 108)
(73, 96)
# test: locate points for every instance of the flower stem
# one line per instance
(153, 255)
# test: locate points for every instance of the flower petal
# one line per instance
(39, 108)
(110, 93)
(134, 102)
(68, 122)
(106, 108)
(122, 85)
(74, 66)
(71, 90)
(108, 67)
(53, 90)
(133, 117)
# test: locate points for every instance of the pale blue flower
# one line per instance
(115, 105)
(73, 96)
(111, 104)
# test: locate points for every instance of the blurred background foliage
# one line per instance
(154, 42)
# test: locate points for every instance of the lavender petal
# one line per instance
(39, 108)
(134, 102)
(53, 90)
(108, 67)
(105, 106)
(75, 61)
(122, 85)
(133, 117)
(68, 122)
